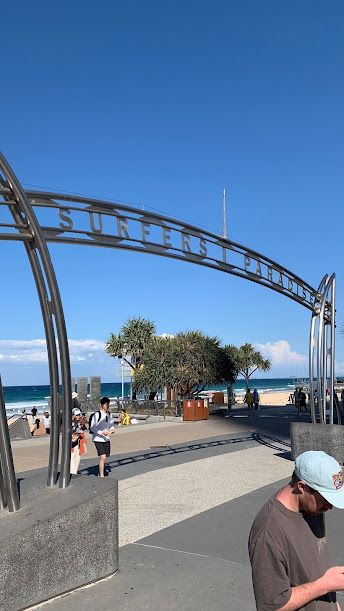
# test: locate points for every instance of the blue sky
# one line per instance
(162, 105)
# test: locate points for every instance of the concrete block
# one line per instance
(58, 541)
(95, 386)
(326, 437)
(82, 390)
(19, 429)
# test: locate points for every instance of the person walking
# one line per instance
(79, 446)
(102, 425)
(302, 400)
(47, 422)
(248, 399)
(34, 421)
(256, 399)
(287, 543)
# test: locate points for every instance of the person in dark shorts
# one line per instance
(287, 543)
(102, 426)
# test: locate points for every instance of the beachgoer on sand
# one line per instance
(101, 425)
(124, 418)
(248, 399)
(33, 421)
(287, 543)
(256, 399)
(47, 422)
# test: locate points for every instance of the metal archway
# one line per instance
(43, 217)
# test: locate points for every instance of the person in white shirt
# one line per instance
(46, 421)
(101, 426)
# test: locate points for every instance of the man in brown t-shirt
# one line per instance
(287, 544)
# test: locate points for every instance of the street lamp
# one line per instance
(124, 352)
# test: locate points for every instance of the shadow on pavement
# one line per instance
(271, 430)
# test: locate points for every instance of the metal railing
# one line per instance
(139, 407)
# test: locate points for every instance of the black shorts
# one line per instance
(103, 447)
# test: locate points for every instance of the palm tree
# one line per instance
(248, 361)
(131, 342)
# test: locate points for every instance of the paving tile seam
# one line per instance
(180, 551)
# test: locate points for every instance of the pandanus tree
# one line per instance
(154, 373)
(131, 343)
(187, 363)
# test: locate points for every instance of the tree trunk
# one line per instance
(230, 396)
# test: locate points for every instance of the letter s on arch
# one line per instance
(64, 216)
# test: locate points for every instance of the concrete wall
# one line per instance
(20, 429)
(326, 437)
(58, 541)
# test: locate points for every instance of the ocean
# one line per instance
(19, 397)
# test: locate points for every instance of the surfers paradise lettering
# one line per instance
(172, 239)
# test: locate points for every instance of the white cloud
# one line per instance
(32, 351)
(280, 353)
(339, 369)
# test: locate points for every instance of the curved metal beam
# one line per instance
(142, 231)
(55, 304)
(9, 490)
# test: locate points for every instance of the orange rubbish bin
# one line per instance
(199, 407)
(218, 398)
(189, 410)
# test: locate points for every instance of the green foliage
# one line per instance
(231, 363)
(154, 372)
(247, 360)
(132, 340)
(186, 363)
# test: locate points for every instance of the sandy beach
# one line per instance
(278, 397)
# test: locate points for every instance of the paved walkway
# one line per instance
(188, 495)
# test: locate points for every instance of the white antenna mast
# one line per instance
(224, 234)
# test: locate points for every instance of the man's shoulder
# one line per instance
(268, 520)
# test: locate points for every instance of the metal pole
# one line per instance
(322, 346)
(3, 495)
(51, 350)
(324, 370)
(7, 466)
(332, 351)
(320, 368)
(322, 287)
(53, 366)
(56, 307)
(311, 368)
(224, 215)
(122, 363)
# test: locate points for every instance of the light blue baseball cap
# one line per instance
(323, 473)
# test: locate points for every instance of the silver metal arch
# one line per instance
(213, 251)
(322, 346)
(52, 313)
(252, 265)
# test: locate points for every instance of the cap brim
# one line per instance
(335, 497)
